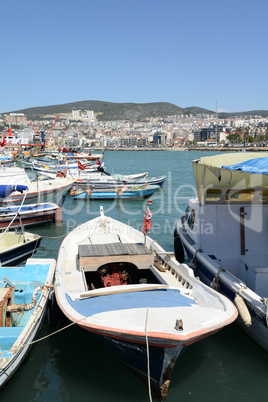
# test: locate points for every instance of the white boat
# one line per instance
(137, 302)
(39, 191)
(24, 293)
(225, 234)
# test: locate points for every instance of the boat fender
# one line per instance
(215, 284)
(242, 309)
(178, 248)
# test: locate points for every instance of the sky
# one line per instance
(206, 53)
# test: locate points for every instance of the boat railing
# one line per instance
(15, 216)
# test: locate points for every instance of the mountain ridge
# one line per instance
(126, 110)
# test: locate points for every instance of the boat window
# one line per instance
(213, 194)
(239, 195)
(264, 196)
(191, 219)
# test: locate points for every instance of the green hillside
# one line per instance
(113, 111)
(127, 111)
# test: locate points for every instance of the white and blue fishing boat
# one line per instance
(24, 293)
(40, 190)
(26, 215)
(134, 299)
(114, 181)
(225, 234)
(113, 193)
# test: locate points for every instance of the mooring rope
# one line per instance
(43, 338)
(148, 357)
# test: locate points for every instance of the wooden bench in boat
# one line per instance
(92, 256)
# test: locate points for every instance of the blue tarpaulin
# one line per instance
(7, 189)
(255, 166)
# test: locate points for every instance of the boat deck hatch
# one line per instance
(92, 256)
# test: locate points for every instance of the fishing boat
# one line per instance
(132, 297)
(112, 193)
(102, 182)
(28, 215)
(25, 215)
(24, 293)
(224, 232)
(40, 190)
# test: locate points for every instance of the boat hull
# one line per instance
(19, 254)
(134, 355)
(24, 336)
(116, 194)
(258, 330)
(29, 215)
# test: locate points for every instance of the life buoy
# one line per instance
(178, 248)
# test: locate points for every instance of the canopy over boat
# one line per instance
(7, 189)
(239, 170)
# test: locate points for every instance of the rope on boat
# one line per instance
(148, 356)
(41, 339)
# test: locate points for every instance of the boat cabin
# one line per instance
(234, 220)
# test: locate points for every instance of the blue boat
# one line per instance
(24, 294)
(112, 193)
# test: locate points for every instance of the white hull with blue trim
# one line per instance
(134, 299)
(224, 232)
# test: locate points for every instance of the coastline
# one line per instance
(206, 149)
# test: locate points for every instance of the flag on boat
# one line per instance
(4, 141)
(98, 162)
(81, 166)
(147, 220)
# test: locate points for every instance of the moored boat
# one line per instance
(112, 193)
(137, 302)
(24, 293)
(39, 190)
(225, 234)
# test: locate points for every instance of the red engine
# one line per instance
(113, 278)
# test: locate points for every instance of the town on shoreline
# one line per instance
(202, 132)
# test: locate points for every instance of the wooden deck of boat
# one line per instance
(99, 250)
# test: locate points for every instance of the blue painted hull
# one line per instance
(113, 194)
(26, 279)
(134, 356)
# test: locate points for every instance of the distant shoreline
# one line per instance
(206, 149)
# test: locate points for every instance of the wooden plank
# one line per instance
(97, 250)
(130, 289)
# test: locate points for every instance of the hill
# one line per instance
(114, 111)
(127, 111)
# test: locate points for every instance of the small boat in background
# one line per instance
(26, 215)
(24, 294)
(112, 193)
(39, 190)
(29, 215)
(141, 305)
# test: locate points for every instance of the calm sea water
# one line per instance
(69, 366)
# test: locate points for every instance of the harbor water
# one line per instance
(69, 366)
